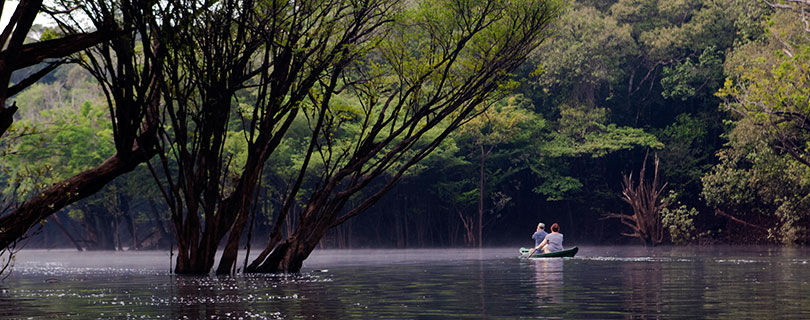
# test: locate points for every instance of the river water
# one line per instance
(717, 282)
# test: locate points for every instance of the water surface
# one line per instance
(600, 283)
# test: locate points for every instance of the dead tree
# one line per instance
(644, 197)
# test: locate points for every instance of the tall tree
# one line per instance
(430, 70)
(495, 127)
(271, 57)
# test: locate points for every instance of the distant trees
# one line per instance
(651, 64)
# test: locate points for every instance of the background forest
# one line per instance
(697, 83)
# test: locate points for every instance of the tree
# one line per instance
(771, 93)
(582, 61)
(634, 57)
(580, 132)
(432, 67)
(272, 57)
(288, 60)
(499, 125)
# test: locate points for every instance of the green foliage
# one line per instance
(583, 131)
(498, 139)
(761, 186)
(582, 57)
(50, 33)
(763, 172)
(683, 80)
(680, 221)
(672, 29)
(68, 139)
(686, 156)
(555, 185)
(506, 123)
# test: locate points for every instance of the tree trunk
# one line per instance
(289, 255)
(196, 261)
(165, 237)
(230, 254)
(117, 237)
(130, 220)
(245, 197)
(481, 181)
(481, 185)
(61, 226)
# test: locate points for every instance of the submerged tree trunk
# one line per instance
(117, 236)
(289, 254)
(126, 213)
(469, 229)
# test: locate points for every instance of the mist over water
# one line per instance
(600, 283)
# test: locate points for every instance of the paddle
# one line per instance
(531, 252)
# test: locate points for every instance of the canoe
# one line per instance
(559, 254)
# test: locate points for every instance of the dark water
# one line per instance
(600, 283)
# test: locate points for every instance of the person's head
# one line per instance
(540, 226)
(555, 227)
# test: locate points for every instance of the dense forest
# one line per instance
(689, 113)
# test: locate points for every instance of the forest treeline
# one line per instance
(706, 97)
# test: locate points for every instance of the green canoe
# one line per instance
(559, 254)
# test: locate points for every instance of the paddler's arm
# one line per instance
(542, 244)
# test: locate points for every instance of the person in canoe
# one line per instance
(540, 234)
(553, 241)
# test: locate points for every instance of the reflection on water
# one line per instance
(600, 283)
(548, 278)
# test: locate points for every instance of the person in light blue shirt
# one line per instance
(540, 234)
(553, 241)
